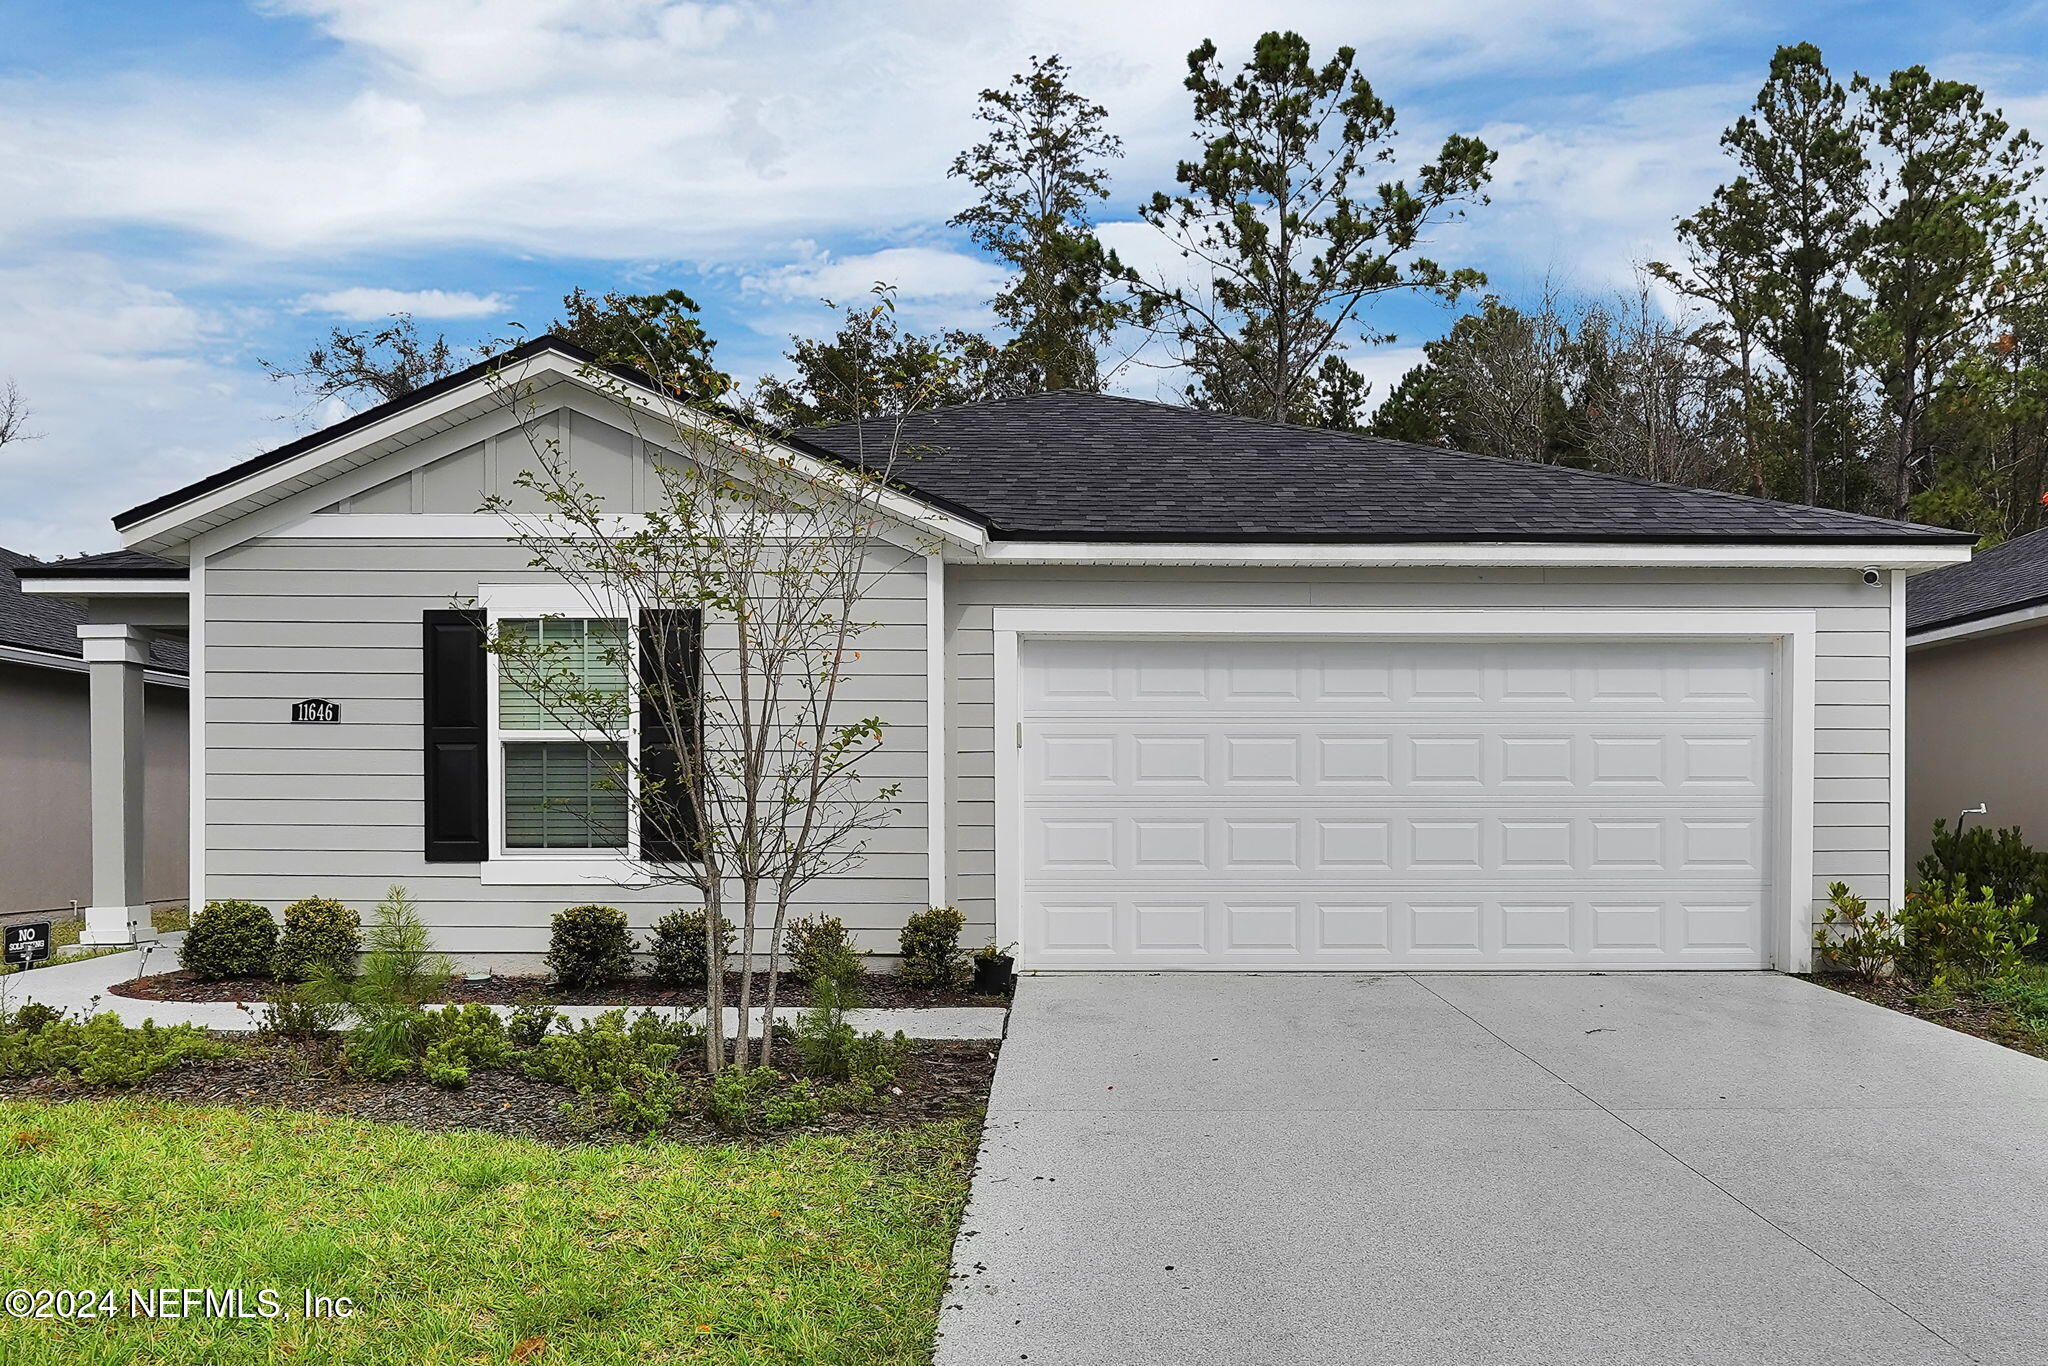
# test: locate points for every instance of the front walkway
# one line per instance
(1716, 1168)
(84, 985)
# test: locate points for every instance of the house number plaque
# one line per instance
(316, 711)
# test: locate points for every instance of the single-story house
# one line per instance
(1977, 694)
(1167, 689)
(45, 853)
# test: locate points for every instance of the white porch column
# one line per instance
(114, 658)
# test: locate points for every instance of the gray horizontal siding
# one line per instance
(1852, 764)
(294, 811)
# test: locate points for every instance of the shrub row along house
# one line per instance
(1158, 688)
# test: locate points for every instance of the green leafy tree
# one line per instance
(1724, 243)
(1953, 241)
(660, 334)
(373, 364)
(1039, 170)
(1286, 243)
(872, 368)
(1793, 209)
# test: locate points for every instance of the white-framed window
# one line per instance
(561, 808)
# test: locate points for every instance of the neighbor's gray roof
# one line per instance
(2004, 578)
(1079, 466)
(50, 625)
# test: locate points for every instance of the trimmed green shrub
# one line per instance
(1953, 938)
(102, 1051)
(318, 932)
(816, 947)
(930, 945)
(229, 939)
(590, 946)
(680, 959)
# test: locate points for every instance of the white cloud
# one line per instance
(360, 304)
(135, 391)
(919, 274)
(629, 129)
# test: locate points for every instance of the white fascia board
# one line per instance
(1573, 554)
(2017, 620)
(73, 664)
(516, 383)
(88, 587)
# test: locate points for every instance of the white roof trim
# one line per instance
(86, 585)
(2019, 619)
(46, 659)
(1763, 555)
(210, 510)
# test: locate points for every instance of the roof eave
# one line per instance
(1907, 555)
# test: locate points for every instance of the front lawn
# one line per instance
(466, 1247)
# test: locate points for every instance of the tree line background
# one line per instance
(1856, 318)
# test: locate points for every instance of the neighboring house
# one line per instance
(45, 813)
(1977, 692)
(1167, 689)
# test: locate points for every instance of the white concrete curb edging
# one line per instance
(74, 986)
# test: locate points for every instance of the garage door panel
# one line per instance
(1315, 754)
(1422, 803)
(1208, 676)
(1090, 843)
(1228, 926)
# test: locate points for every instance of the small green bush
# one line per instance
(590, 946)
(295, 1013)
(318, 932)
(680, 959)
(813, 947)
(530, 1024)
(102, 1051)
(28, 1017)
(399, 974)
(753, 1100)
(626, 1069)
(229, 939)
(1952, 937)
(930, 945)
(1983, 857)
(457, 1040)
(1853, 938)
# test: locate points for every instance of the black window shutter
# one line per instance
(457, 748)
(670, 649)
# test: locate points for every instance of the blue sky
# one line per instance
(192, 187)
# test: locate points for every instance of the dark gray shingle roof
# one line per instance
(1076, 466)
(50, 625)
(2002, 579)
(108, 564)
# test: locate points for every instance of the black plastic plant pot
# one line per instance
(995, 974)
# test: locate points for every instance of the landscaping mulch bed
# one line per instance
(882, 991)
(1968, 1015)
(942, 1079)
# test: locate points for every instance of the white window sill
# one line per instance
(516, 870)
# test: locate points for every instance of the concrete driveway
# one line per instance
(1718, 1168)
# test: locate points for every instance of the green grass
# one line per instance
(461, 1247)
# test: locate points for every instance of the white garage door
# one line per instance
(1276, 804)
